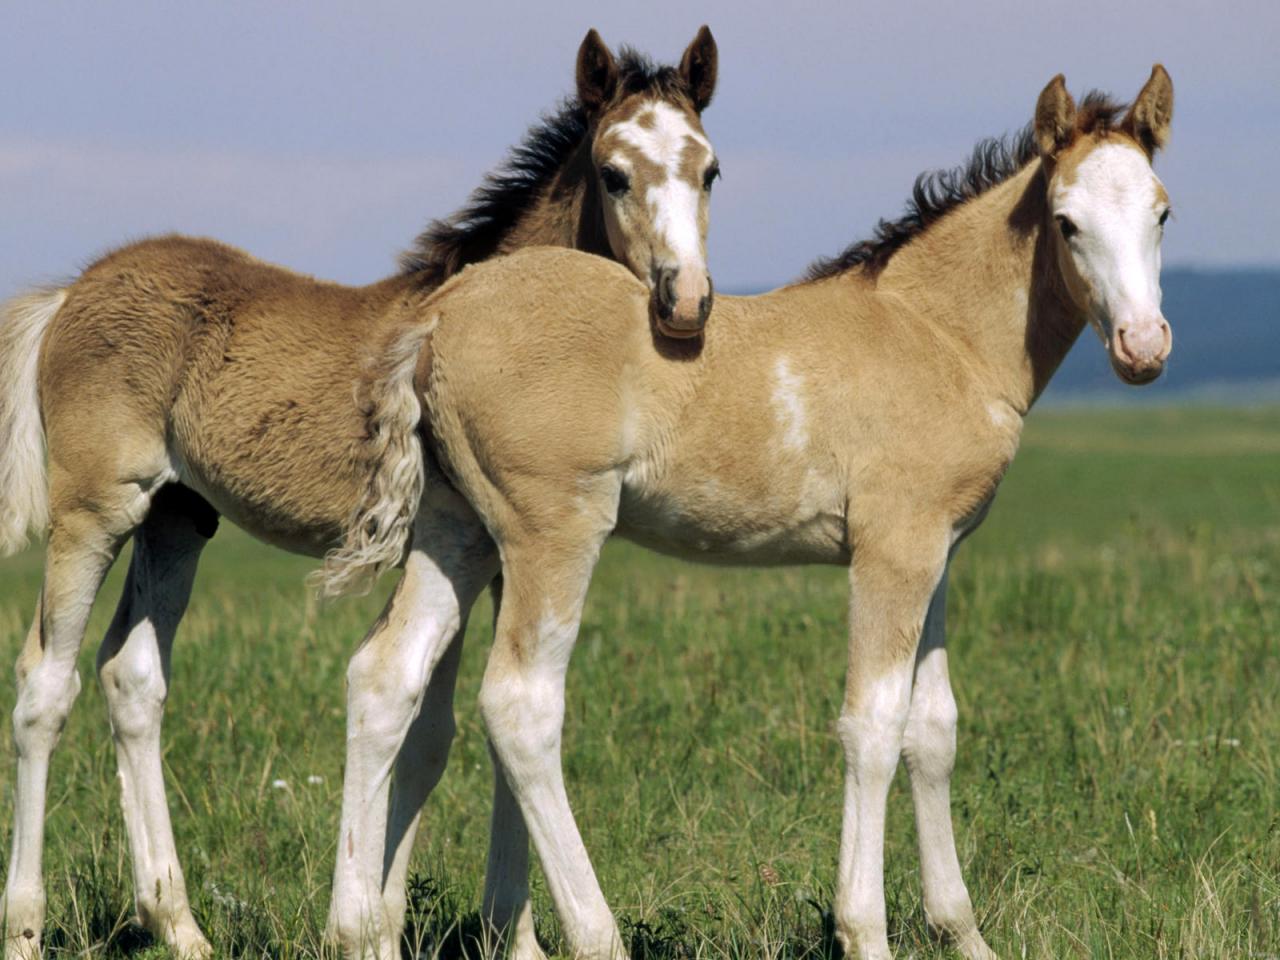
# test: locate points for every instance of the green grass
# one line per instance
(1113, 636)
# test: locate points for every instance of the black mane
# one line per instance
(475, 232)
(937, 193)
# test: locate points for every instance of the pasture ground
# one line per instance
(1113, 634)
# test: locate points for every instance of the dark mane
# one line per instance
(938, 192)
(475, 232)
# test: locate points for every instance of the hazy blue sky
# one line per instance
(323, 135)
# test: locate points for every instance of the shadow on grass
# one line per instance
(439, 927)
(101, 922)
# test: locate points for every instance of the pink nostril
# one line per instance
(1119, 348)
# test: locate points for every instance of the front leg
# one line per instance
(929, 749)
(892, 579)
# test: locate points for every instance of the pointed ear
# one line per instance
(597, 72)
(1055, 117)
(698, 67)
(1148, 119)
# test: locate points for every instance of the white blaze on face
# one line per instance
(661, 134)
(1114, 199)
(789, 406)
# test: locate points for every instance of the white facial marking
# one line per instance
(788, 406)
(1112, 201)
(673, 203)
(674, 207)
(661, 138)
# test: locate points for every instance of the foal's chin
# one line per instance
(676, 333)
(676, 323)
(1135, 374)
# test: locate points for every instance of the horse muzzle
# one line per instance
(1139, 349)
(681, 301)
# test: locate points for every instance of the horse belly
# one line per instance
(276, 506)
(277, 462)
(798, 522)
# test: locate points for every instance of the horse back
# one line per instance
(244, 372)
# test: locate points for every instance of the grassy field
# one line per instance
(1117, 794)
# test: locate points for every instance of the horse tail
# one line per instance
(378, 532)
(24, 487)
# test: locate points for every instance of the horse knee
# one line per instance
(134, 685)
(929, 742)
(46, 693)
(387, 678)
(871, 731)
(523, 718)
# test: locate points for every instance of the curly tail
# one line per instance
(377, 535)
(24, 488)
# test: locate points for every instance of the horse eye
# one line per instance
(615, 181)
(710, 177)
(1165, 216)
(1068, 228)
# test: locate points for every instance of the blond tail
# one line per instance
(24, 488)
(378, 532)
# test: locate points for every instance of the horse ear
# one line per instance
(597, 72)
(698, 66)
(1148, 119)
(1055, 117)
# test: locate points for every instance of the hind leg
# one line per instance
(87, 529)
(133, 667)
(450, 561)
(546, 572)
(506, 880)
(419, 767)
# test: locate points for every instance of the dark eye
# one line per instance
(710, 177)
(615, 181)
(1164, 216)
(1068, 228)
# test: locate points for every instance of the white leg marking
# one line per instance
(929, 748)
(450, 562)
(420, 766)
(77, 558)
(890, 594)
(133, 668)
(872, 738)
(522, 700)
(506, 881)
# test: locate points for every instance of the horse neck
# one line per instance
(567, 213)
(987, 275)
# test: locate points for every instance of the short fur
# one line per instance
(864, 419)
(177, 379)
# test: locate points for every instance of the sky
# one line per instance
(324, 135)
